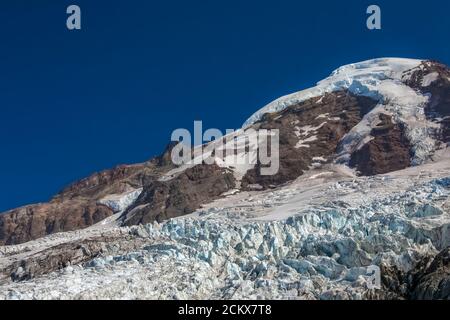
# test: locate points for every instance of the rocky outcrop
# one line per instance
(28, 265)
(433, 79)
(389, 149)
(309, 134)
(56, 258)
(431, 278)
(428, 280)
(76, 207)
(114, 181)
(35, 221)
(161, 200)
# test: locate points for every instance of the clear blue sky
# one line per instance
(73, 103)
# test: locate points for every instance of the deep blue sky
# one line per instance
(76, 102)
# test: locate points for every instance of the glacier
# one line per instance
(317, 247)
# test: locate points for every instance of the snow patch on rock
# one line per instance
(429, 79)
(120, 202)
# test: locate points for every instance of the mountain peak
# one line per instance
(360, 78)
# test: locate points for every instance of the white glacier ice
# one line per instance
(312, 239)
(120, 202)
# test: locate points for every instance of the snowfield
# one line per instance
(313, 239)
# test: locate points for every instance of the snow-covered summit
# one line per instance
(362, 78)
(384, 80)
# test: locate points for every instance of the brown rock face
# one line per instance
(438, 89)
(161, 200)
(116, 180)
(75, 207)
(307, 130)
(389, 150)
(35, 221)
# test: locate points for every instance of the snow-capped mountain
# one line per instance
(363, 180)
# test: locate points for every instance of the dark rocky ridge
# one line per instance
(389, 150)
(75, 207)
(428, 280)
(54, 258)
(162, 200)
(438, 109)
(35, 221)
(343, 111)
